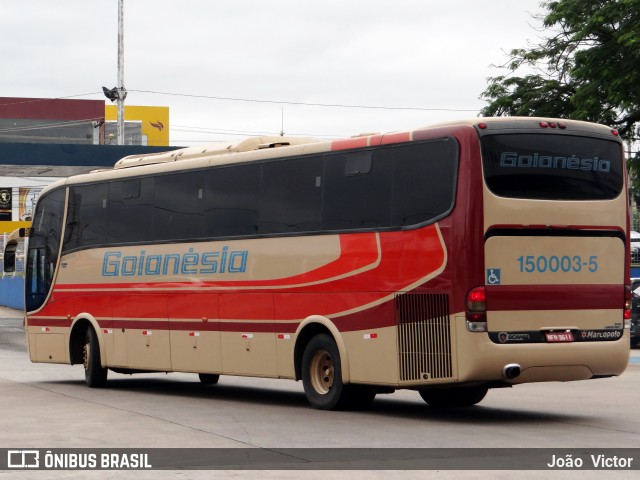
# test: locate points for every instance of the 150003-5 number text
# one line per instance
(555, 264)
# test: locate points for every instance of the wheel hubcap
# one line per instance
(322, 372)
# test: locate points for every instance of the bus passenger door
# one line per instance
(140, 321)
(194, 333)
(248, 339)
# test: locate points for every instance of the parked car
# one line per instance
(635, 312)
(635, 248)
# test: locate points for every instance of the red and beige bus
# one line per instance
(448, 260)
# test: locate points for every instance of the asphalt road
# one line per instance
(49, 407)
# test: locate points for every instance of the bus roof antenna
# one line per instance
(282, 121)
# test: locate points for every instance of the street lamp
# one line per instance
(119, 93)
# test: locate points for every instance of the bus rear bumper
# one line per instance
(540, 362)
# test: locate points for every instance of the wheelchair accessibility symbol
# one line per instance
(493, 276)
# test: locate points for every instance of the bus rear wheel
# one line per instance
(95, 375)
(322, 378)
(453, 397)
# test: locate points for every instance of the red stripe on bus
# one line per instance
(359, 321)
(357, 252)
(395, 138)
(378, 139)
(355, 300)
(404, 260)
(48, 322)
(554, 297)
(348, 143)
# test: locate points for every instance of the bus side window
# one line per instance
(87, 218)
(231, 201)
(424, 178)
(357, 191)
(358, 164)
(131, 189)
(291, 196)
(131, 210)
(179, 206)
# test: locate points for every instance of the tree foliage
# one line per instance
(587, 69)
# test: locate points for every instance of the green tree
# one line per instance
(587, 69)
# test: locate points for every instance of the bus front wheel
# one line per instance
(453, 397)
(94, 374)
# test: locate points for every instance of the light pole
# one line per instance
(119, 93)
(122, 92)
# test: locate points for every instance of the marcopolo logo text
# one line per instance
(535, 160)
(116, 264)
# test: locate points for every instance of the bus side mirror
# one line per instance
(11, 247)
(10, 258)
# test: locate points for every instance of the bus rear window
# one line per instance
(552, 167)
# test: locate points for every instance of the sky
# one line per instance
(228, 69)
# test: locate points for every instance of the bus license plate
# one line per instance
(557, 337)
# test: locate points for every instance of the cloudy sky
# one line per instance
(238, 67)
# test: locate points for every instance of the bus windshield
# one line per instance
(44, 242)
(552, 167)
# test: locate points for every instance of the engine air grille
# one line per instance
(424, 336)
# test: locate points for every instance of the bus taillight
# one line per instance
(627, 306)
(476, 310)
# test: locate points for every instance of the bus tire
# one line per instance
(95, 376)
(322, 373)
(453, 397)
(208, 378)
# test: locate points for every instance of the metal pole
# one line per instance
(122, 93)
